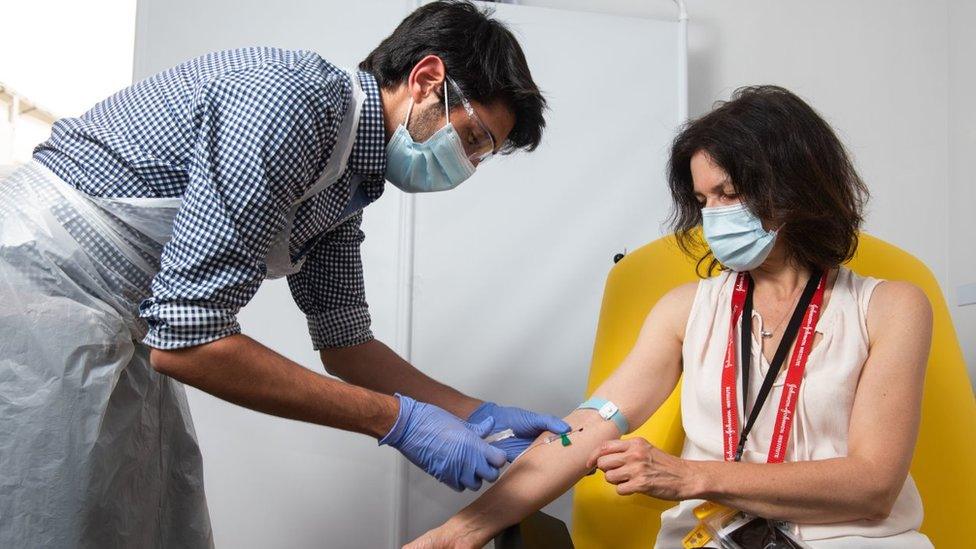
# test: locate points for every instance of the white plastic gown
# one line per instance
(97, 449)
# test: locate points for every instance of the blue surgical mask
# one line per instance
(437, 164)
(737, 237)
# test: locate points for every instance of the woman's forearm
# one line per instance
(536, 478)
(811, 492)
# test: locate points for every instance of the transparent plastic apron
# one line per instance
(96, 448)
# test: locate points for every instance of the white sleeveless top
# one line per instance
(823, 411)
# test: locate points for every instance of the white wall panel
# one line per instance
(510, 266)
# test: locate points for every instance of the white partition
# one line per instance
(509, 268)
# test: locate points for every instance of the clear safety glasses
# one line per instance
(478, 142)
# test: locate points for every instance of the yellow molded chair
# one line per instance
(944, 465)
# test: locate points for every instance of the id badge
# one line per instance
(744, 531)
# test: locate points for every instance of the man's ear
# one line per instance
(426, 77)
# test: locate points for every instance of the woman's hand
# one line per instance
(635, 466)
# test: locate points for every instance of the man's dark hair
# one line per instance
(787, 165)
(479, 53)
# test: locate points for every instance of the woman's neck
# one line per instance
(779, 275)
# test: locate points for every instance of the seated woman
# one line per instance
(817, 425)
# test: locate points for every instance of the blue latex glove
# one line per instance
(448, 448)
(525, 424)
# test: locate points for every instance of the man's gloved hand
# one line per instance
(525, 424)
(448, 448)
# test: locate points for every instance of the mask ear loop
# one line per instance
(406, 120)
(447, 111)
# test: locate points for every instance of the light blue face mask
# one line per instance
(737, 237)
(438, 164)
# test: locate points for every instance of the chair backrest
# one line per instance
(944, 465)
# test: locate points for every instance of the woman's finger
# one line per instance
(612, 461)
(617, 476)
(628, 488)
(609, 447)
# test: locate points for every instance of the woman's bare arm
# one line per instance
(862, 485)
(638, 387)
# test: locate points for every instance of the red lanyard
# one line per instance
(794, 374)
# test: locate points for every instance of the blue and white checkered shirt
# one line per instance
(239, 135)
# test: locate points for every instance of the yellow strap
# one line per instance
(710, 508)
(698, 537)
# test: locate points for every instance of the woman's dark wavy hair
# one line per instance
(787, 165)
(481, 55)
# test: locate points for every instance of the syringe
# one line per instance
(500, 435)
(508, 433)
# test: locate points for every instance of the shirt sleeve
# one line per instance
(330, 291)
(261, 136)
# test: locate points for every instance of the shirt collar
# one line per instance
(368, 155)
